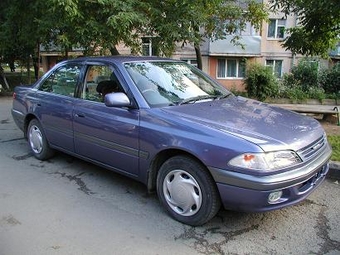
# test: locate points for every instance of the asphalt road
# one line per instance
(68, 206)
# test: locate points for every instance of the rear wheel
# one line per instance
(187, 191)
(37, 141)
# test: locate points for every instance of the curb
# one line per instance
(334, 170)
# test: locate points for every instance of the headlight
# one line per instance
(269, 161)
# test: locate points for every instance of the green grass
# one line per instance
(334, 141)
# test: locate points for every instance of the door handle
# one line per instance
(80, 115)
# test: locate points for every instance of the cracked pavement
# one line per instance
(68, 206)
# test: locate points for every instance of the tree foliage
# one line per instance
(97, 26)
(194, 21)
(17, 29)
(318, 27)
(330, 80)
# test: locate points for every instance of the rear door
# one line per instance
(104, 134)
(55, 103)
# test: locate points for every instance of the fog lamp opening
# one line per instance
(274, 197)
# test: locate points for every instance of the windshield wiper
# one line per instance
(224, 96)
(197, 98)
(203, 97)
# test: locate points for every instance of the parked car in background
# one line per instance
(168, 125)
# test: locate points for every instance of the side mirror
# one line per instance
(118, 99)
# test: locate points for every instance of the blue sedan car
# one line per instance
(168, 125)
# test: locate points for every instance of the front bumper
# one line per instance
(243, 192)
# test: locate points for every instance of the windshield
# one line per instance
(173, 83)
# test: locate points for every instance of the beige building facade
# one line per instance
(226, 62)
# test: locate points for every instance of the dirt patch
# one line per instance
(330, 124)
(330, 128)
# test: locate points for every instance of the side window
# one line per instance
(62, 81)
(276, 66)
(149, 47)
(99, 81)
(276, 28)
(230, 68)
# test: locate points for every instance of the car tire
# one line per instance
(37, 141)
(187, 191)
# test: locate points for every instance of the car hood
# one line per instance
(270, 127)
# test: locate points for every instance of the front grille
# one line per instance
(313, 149)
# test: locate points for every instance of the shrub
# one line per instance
(294, 93)
(316, 93)
(305, 74)
(330, 80)
(289, 81)
(260, 82)
(304, 82)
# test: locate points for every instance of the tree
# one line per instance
(65, 25)
(17, 30)
(319, 25)
(103, 24)
(14, 24)
(99, 25)
(189, 21)
(57, 24)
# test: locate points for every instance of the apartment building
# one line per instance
(226, 62)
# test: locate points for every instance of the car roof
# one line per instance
(122, 58)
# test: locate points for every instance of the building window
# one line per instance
(148, 48)
(230, 68)
(276, 66)
(276, 28)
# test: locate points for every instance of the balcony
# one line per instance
(252, 47)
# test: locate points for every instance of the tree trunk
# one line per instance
(114, 51)
(198, 56)
(2, 74)
(28, 66)
(36, 62)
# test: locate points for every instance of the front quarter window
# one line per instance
(62, 81)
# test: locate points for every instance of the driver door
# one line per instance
(106, 135)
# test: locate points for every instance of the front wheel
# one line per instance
(37, 141)
(187, 191)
